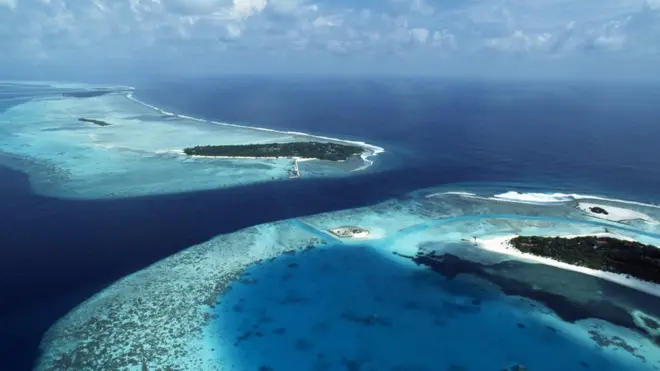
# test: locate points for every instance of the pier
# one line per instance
(294, 173)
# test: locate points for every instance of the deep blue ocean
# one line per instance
(568, 137)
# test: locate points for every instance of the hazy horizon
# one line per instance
(510, 39)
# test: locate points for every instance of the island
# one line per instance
(350, 232)
(316, 150)
(85, 94)
(95, 122)
(614, 214)
(600, 253)
(598, 210)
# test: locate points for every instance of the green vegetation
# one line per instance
(601, 253)
(321, 151)
(598, 210)
(96, 122)
(85, 94)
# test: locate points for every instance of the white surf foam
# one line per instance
(534, 197)
(549, 198)
(466, 194)
(64, 85)
(373, 150)
(615, 214)
(26, 98)
(131, 97)
(474, 196)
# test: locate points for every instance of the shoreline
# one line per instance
(614, 213)
(372, 149)
(550, 198)
(542, 198)
(299, 159)
(501, 244)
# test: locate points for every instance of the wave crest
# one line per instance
(372, 149)
(538, 198)
(549, 198)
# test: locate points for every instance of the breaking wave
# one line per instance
(466, 194)
(549, 198)
(537, 198)
(372, 150)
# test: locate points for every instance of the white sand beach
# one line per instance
(502, 245)
(613, 213)
(299, 159)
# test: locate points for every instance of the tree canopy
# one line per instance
(318, 150)
(601, 253)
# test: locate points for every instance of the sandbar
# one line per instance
(613, 213)
(299, 159)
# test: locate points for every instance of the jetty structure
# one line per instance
(294, 173)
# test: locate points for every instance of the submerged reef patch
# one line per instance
(554, 297)
(647, 322)
(365, 310)
(291, 288)
(155, 317)
(141, 146)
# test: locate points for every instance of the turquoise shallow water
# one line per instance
(356, 306)
(155, 269)
(290, 296)
(350, 308)
(140, 149)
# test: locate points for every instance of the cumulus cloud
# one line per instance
(519, 41)
(11, 4)
(58, 31)
(445, 39)
(196, 7)
(244, 8)
(327, 21)
(419, 35)
(288, 6)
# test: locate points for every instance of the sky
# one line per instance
(614, 39)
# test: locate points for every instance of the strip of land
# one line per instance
(617, 260)
(95, 122)
(86, 94)
(350, 232)
(318, 150)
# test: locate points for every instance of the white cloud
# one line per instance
(233, 31)
(445, 39)
(419, 35)
(193, 6)
(11, 4)
(287, 6)
(94, 30)
(327, 21)
(336, 46)
(414, 7)
(519, 41)
(245, 8)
